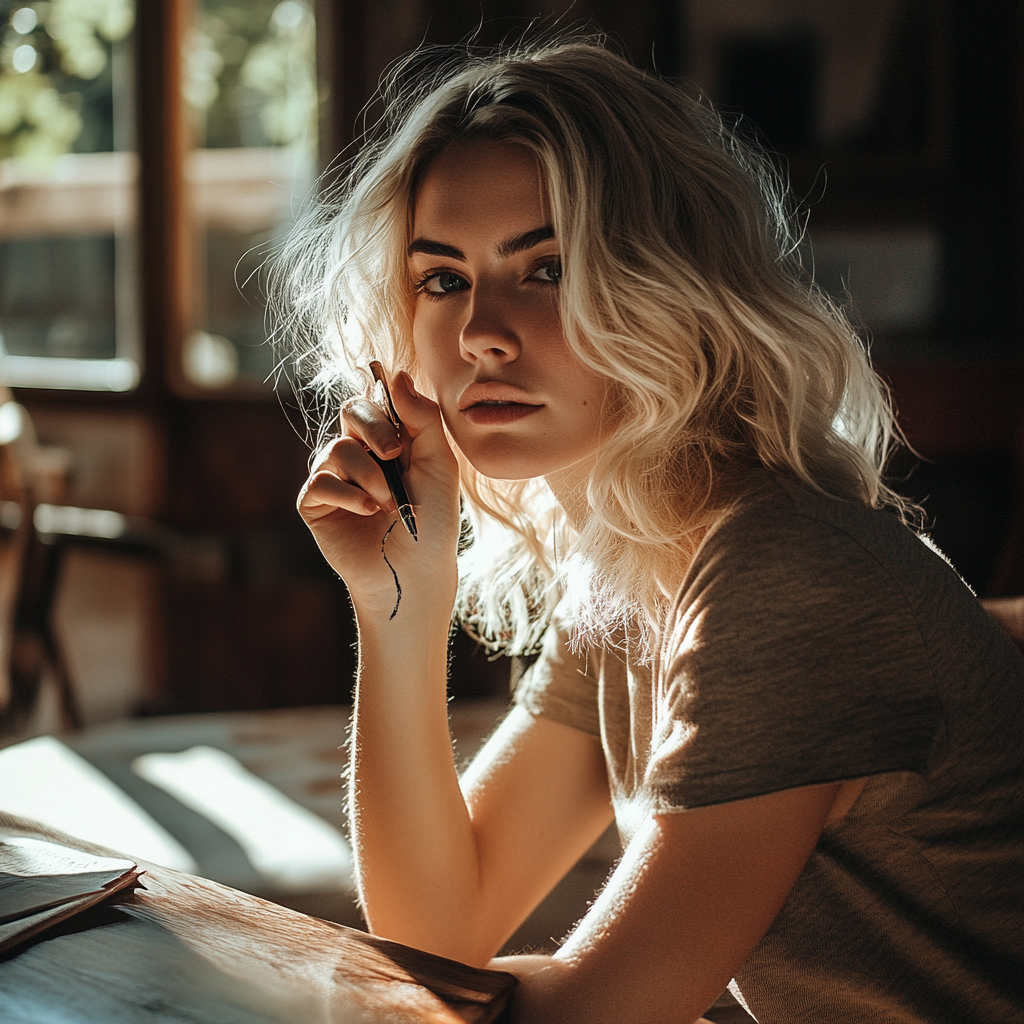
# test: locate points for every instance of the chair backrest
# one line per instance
(30, 474)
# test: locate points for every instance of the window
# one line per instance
(70, 182)
(250, 89)
(68, 172)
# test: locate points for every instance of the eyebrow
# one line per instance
(509, 247)
(527, 241)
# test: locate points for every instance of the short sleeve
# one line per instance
(560, 686)
(792, 657)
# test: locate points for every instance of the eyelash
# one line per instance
(430, 275)
(420, 287)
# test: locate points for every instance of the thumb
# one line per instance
(419, 415)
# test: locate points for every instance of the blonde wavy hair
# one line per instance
(680, 285)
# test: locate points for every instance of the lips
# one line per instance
(491, 403)
(496, 414)
(494, 393)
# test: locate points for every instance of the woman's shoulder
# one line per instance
(775, 517)
(794, 551)
(787, 567)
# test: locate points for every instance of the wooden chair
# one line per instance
(30, 474)
(36, 530)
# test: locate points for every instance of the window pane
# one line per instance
(250, 85)
(67, 195)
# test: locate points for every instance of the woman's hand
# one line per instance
(348, 507)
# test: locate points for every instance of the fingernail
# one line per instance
(370, 505)
(393, 449)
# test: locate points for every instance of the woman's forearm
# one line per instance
(415, 852)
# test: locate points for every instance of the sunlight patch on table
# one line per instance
(290, 846)
(43, 780)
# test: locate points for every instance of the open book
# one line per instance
(42, 883)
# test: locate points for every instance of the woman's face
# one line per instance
(486, 326)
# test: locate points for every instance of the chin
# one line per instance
(499, 471)
(506, 462)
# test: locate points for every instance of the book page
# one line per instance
(35, 874)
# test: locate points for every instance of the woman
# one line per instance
(669, 446)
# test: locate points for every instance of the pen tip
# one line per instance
(409, 519)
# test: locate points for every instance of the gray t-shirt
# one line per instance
(812, 641)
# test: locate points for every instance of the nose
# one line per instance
(488, 335)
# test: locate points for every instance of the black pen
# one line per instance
(392, 472)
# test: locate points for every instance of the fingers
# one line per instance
(421, 438)
(325, 493)
(421, 422)
(365, 420)
(416, 411)
(421, 418)
(344, 476)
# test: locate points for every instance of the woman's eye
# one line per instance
(549, 272)
(442, 283)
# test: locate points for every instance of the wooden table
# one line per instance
(300, 751)
(185, 949)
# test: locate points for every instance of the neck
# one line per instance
(569, 487)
